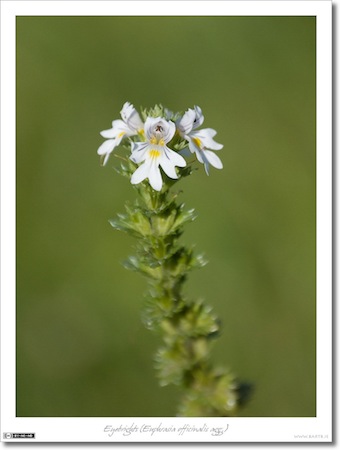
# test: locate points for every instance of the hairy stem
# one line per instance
(187, 327)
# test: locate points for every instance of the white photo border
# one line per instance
(108, 429)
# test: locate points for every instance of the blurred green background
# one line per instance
(81, 347)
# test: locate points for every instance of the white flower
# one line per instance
(192, 119)
(200, 141)
(131, 118)
(129, 126)
(154, 152)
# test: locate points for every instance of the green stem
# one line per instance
(187, 327)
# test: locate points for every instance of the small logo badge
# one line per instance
(19, 435)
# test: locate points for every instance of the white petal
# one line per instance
(125, 112)
(206, 136)
(107, 147)
(135, 146)
(170, 132)
(118, 127)
(109, 134)
(106, 158)
(119, 124)
(199, 118)
(206, 167)
(194, 148)
(131, 117)
(168, 167)
(203, 159)
(139, 151)
(135, 123)
(199, 155)
(209, 132)
(186, 123)
(213, 159)
(141, 173)
(150, 121)
(175, 158)
(150, 125)
(155, 177)
(120, 136)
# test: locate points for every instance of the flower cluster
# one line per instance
(151, 143)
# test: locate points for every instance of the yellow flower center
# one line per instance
(153, 153)
(121, 134)
(197, 142)
(155, 141)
